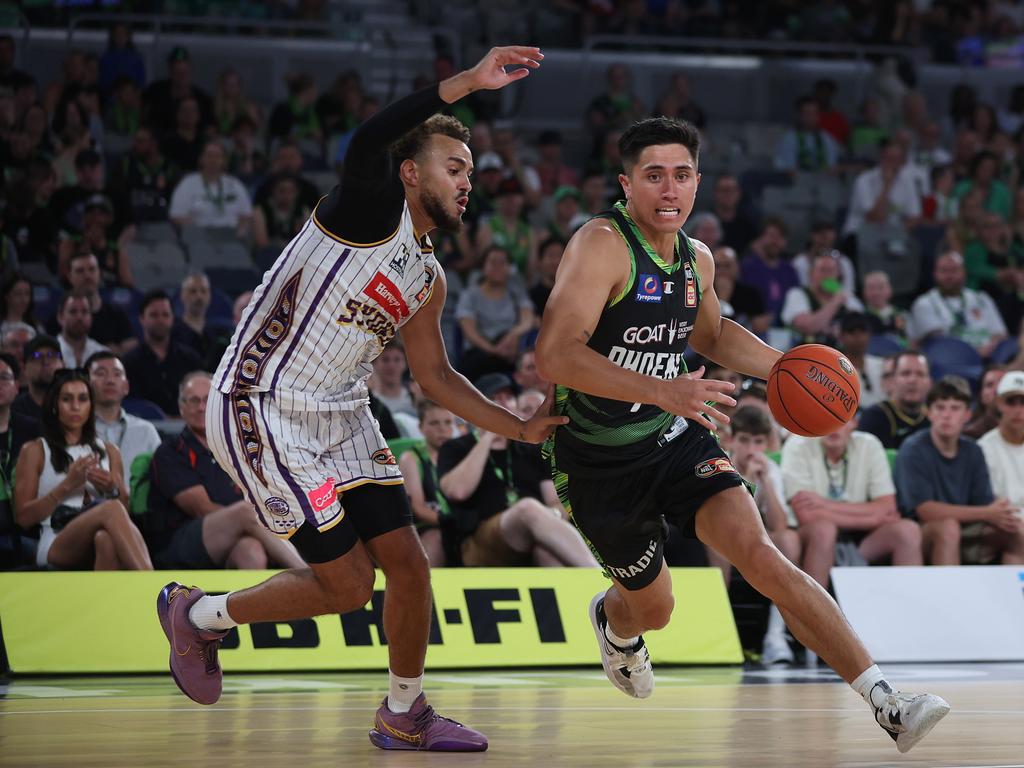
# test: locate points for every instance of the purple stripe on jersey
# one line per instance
(234, 460)
(255, 310)
(296, 489)
(328, 283)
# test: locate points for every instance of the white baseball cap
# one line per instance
(1012, 383)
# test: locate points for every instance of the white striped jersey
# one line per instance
(323, 312)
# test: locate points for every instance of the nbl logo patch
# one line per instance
(714, 467)
(648, 289)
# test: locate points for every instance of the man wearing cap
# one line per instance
(1004, 454)
(160, 100)
(503, 510)
(42, 359)
(68, 203)
(854, 335)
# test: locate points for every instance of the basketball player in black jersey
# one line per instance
(631, 293)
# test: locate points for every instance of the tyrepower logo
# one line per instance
(388, 297)
(648, 289)
(713, 467)
(323, 496)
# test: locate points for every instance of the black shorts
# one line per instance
(623, 517)
(371, 509)
(186, 549)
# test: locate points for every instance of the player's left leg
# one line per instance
(729, 522)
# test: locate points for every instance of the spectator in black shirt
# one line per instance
(69, 203)
(185, 143)
(740, 302)
(16, 547)
(161, 99)
(297, 117)
(158, 365)
(738, 228)
(110, 326)
(42, 360)
(287, 161)
(146, 178)
(503, 507)
(549, 256)
(192, 329)
(894, 420)
(197, 517)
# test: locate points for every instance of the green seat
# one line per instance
(890, 454)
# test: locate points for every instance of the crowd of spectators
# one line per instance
(107, 166)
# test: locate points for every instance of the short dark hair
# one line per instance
(949, 388)
(155, 295)
(424, 406)
(68, 296)
(751, 420)
(412, 143)
(774, 221)
(12, 363)
(95, 357)
(655, 131)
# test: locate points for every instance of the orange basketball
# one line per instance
(813, 390)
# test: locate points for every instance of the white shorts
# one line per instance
(293, 465)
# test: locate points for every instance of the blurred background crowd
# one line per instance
(144, 195)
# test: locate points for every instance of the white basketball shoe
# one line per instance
(628, 669)
(908, 717)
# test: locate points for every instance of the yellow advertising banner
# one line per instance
(86, 622)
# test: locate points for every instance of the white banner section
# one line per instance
(967, 613)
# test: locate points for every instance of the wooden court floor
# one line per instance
(696, 717)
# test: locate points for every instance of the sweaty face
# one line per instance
(661, 187)
(443, 170)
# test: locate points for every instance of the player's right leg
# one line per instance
(729, 522)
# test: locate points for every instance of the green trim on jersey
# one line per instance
(651, 253)
(632, 267)
(561, 482)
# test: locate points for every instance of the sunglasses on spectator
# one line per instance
(50, 354)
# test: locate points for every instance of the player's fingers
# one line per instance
(554, 421)
(716, 414)
(697, 373)
(522, 51)
(719, 386)
(517, 74)
(704, 422)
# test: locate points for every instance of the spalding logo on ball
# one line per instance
(813, 390)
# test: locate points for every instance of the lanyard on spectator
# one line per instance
(218, 200)
(960, 315)
(505, 475)
(835, 490)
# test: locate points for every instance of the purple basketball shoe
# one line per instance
(194, 664)
(422, 728)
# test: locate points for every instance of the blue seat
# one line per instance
(144, 409)
(950, 356)
(885, 344)
(46, 299)
(232, 282)
(1005, 351)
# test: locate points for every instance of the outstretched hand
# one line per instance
(489, 73)
(543, 423)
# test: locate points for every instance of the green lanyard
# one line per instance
(6, 471)
(505, 475)
(217, 201)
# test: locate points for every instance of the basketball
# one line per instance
(813, 390)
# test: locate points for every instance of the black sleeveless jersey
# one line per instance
(644, 329)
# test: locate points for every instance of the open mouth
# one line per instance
(462, 202)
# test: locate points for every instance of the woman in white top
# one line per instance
(69, 472)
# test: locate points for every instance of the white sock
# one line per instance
(872, 686)
(622, 643)
(776, 625)
(404, 691)
(211, 612)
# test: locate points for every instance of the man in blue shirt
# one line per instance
(942, 480)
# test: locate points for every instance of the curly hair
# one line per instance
(412, 143)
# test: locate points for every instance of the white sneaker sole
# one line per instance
(608, 671)
(931, 711)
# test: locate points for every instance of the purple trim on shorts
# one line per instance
(241, 337)
(296, 489)
(328, 283)
(235, 462)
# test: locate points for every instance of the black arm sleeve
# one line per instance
(367, 206)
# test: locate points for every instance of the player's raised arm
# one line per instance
(428, 363)
(594, 269)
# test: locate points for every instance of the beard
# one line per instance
(438, 214)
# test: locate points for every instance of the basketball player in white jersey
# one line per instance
(288, 417)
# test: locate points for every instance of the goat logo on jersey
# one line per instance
(269, 335)
(388, 297)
